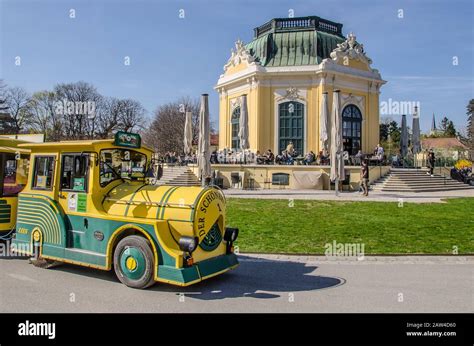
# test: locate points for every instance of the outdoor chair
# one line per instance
(250, 185)
(347, 181)
(218, 182)
(355, 160)
(342, 183)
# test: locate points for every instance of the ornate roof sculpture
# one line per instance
(352, 49)
(239, 55)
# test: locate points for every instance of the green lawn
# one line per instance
(273, 226)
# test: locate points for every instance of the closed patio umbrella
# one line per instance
(337, 158)
(404, 137)
(323, 129)
(244, 127)
(416, 147)
(188, 133)
(204, 154)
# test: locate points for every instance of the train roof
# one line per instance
(84, 145)
(10, 145)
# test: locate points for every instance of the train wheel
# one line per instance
(134, 262)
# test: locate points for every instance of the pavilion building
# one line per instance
(284, 72)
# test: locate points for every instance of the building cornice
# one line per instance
(327, 66)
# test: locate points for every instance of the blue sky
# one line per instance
(172, 57)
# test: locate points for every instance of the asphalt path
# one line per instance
(262, 283)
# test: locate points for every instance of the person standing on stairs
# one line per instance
(431, 162)
(364, 177)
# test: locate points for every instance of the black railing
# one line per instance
(300, 23)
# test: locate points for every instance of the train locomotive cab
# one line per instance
(88, 203)
(14, 165)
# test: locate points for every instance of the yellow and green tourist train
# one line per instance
(14, 163)
(87, 203)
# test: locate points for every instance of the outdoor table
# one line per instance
(374, 159)
(299, 160)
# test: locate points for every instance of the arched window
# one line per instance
(291, 120)
(235, 125)
(351, 129)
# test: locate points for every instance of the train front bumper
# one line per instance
(198, 272)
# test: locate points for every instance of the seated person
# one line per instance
(345, 155)
(260, 158)
(380, 153)
(278, 160)
(309, 158)
(290, 149)
(214, 157)
(281, 159)
(358, 158)
(269, 157)
(323, 158)
(376, 150)
(173, 158)
(286, 158)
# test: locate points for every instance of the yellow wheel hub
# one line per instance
(36, 236)
(131, 263)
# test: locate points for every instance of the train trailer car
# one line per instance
(14, 165)
(87, 203)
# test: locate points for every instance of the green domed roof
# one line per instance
(295, 41)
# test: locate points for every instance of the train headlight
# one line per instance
(188, 244)
(231, 234)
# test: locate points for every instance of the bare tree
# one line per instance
(44, 117)
(19, 110)
(166, 130)
(70, 111)
(3, 101)
(78, 123)
(5, 119)
(131, 115)
(116, 114)
(106, 119)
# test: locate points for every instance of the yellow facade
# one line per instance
(347, 69)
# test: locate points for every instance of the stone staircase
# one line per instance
(178, 176)
(416, 180)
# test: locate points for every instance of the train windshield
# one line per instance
(14, 173)
(121, 164)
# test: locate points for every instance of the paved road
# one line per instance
(262, 283)
(374, 196)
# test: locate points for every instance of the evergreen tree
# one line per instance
(470, 126)
(447, 127)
